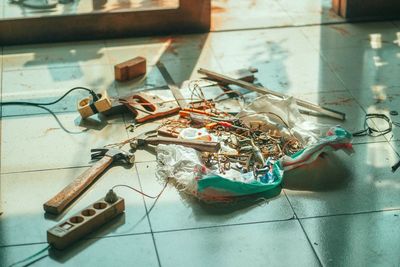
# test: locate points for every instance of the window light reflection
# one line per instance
(375, 40)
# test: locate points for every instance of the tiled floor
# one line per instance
(339, 211)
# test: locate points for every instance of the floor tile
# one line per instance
(310, 11)
(259, 43)
(46, 85)
(157, 48)
(38, 142)
(285, 245)
(54, 55)
(396, 146)
(365, 69)
(23, 196)
(175, 210)
(288, 73)
(358, 35)
(356, 240)
(94, 252)
(228, 15)
(341, 184)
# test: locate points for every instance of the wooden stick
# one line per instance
(200, 145)
(262, 90)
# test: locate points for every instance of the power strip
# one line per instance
(89, 219)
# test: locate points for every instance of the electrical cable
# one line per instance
(32, 256)
(42, 105)
(140, 192)
(372, 131)
(23, 103)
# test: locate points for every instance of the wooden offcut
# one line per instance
(130, 69)
(101, 105)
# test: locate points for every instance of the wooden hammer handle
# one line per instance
(65, 197)
(203, 146)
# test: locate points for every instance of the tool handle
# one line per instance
(262, 90)
(65, 197)
(203, 146)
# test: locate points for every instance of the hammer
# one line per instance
(66, 196)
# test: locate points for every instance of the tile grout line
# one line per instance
(348, 214)
(148, 217)
(81, 240)
(219, 226)
(304, 232)
(359, 21)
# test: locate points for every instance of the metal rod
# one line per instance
(262, 90)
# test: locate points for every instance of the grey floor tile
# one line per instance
(23, 196)
(364, 70)
(38, 142)
(54, 55)
(157, 48)
(357, 35)
(259, 44)
(228, 15)
(117, 251)
(286, 72)
(176, 210)
(272, 244)
(396, 147)
(356, 240)
(310, 11)
(341, 184)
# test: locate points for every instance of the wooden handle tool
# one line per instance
(203, 146)
(65, 197)
(262, 90)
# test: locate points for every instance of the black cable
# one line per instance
(23, 103)
(42, 105)
(372, 131)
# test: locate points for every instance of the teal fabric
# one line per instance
(213, 184)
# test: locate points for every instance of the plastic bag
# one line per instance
(185, 166)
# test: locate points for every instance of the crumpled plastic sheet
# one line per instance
(185, 166)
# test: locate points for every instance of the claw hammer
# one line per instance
(67, 196)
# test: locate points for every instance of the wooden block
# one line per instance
(101, 105)
(130, 69)
(74, 228)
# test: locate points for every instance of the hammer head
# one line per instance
(116, 154)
